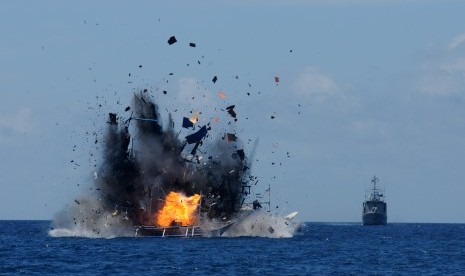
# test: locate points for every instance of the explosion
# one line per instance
(143, 162)
(151, 177)
(178, 210)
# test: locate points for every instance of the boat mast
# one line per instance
(269, 197)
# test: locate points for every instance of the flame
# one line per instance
(178, 208)
(221, 95)
(195, 118)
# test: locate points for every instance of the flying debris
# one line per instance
(276, 79)
(198, 136)
(230, 137)
(194, 150)
(291, 216)
(152, 182)
(186, 123)
(256, 205)
(231, 111)
(112, 119)
(172, 40)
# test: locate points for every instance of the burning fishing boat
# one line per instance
(180, 216)
(152, 182)
(165, 185)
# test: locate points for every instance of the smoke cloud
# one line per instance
(143, 161)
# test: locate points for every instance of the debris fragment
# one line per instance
(186, 123)
(77, 201)
(112, 117)
(192, 45)
(271, 230)
(127, 109)
(172, 40)
(214, 79)
(198, 136)
(230, 137)
(256, 205)
(231, 111)
(194, 150)
(276, 79)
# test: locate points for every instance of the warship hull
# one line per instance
(374, 219)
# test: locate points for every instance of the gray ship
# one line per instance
(374, 207)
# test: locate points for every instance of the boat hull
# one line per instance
(374, 219)
(180, 231)
(174, 232)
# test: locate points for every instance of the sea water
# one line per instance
(317, 249)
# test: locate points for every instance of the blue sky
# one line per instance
(370, 87)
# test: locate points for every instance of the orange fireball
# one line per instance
(178, 209)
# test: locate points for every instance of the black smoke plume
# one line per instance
(143, 161)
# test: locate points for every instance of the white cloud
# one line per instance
(443, 74)
(316, 85)
(456, 41)
(368, 129)
(19, 122)
(454, 66)
(440, 84)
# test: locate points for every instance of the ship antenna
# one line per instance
(374, 181)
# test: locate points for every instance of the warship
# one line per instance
(374, 207)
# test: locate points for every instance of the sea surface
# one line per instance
(318, 249)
